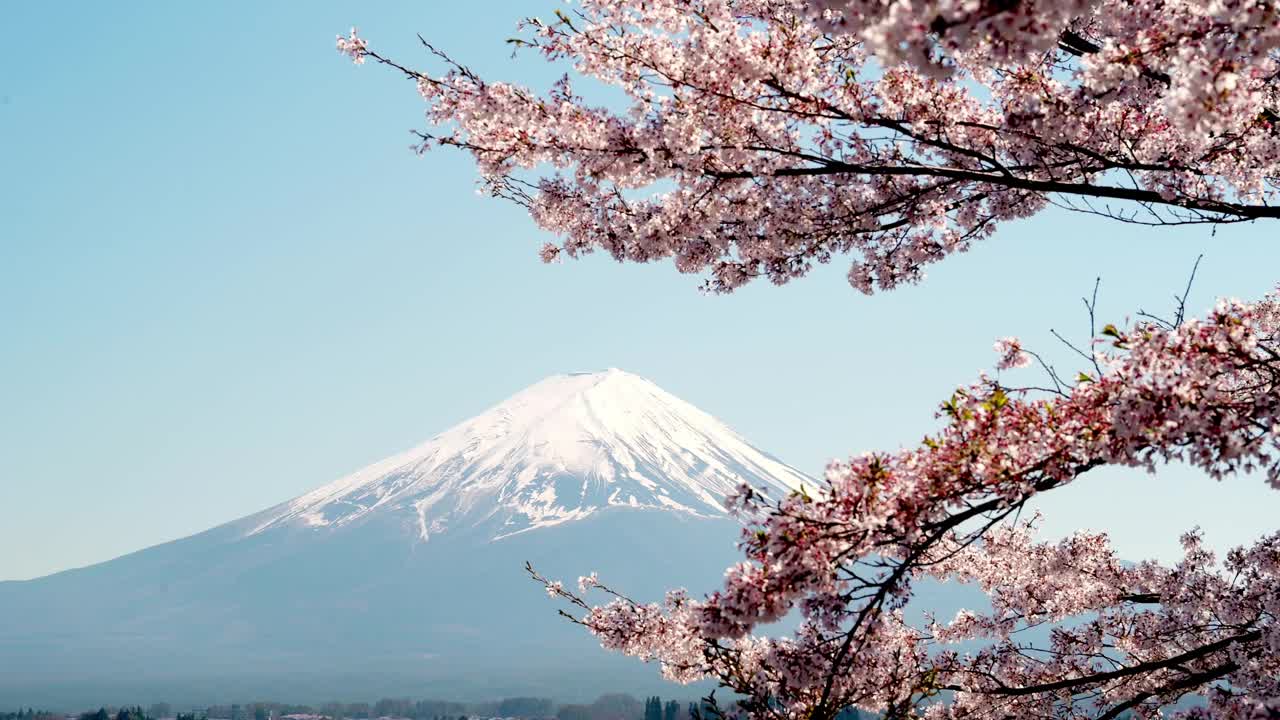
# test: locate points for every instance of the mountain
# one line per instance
(564, 449)
(405, 578)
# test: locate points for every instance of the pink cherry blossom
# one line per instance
(354, 47)
(844, 557)
(760, 138)
(1011, 354)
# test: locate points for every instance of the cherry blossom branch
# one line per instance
(758, 140)
(1072, 683)
(846, 556)
(1243, 211)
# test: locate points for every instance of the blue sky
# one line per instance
(225, 280)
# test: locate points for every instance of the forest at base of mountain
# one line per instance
(610, 706)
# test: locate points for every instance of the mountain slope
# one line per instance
(405, 578)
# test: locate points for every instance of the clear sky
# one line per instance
(225, 280)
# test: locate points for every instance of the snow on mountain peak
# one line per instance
(562, 449)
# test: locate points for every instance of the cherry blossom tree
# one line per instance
(756, 138)
(1121, 637)
(759, 137)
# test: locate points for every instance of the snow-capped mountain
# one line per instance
(406, 578)
(563, 449)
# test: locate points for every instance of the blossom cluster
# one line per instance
(931, 33)
(353, 46)
(844, 558)
(1012, 355)
(759, 138)
(1202, 53)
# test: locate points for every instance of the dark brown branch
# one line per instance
(1075, 44)
(1070, 683)
(836, 167)
(1193, 680)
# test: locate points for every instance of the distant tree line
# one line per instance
(611, 706)
(125, 713)
(614, 706)
(619, 706)
(30, 714)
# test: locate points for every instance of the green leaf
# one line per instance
(999, 399)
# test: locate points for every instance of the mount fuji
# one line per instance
(405, 578)
(564, 449)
